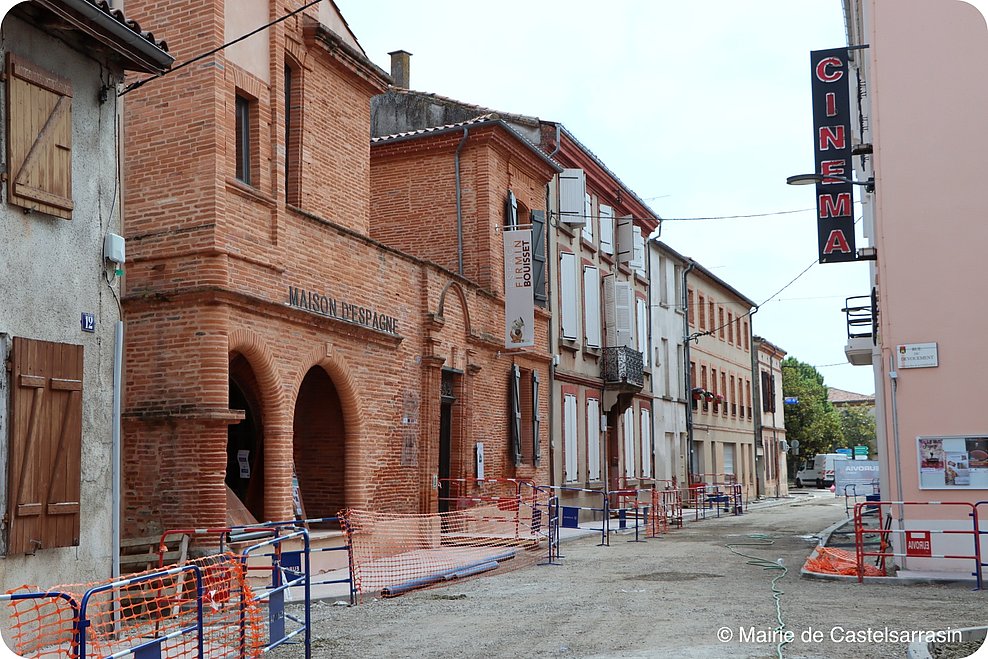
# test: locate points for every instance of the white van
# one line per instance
(819, 470)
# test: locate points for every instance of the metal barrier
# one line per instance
(979, 533)
(927, 549)
(853, 497)
(278, 634)
(570, 514)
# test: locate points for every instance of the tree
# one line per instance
(858, 424)
(813, 420)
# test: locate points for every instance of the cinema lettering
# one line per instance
(323, 305)
(832, 148)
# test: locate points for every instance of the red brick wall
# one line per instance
(319, 447)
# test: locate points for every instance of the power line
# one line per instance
(140, 83)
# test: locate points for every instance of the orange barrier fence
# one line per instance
(204, 608)
(394, 553)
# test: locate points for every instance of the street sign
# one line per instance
(790, 400)
(918, 355)
(843, 451)
(860, 452)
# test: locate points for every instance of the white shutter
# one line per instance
(617, 312)
(643, 344)
(593, 439)
(637, 261)
(625, 239)
(569, 437)
(646, 444)
(606, 229)
(588, 215)
(569, 290)
(591, 306)
(572, 194)
(629, 443)
(728, 458)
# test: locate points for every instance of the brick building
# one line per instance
(279, 321)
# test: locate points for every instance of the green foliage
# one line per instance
(858, 424)
(813, 420)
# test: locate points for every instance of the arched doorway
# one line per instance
(319, 445)
(244, 444)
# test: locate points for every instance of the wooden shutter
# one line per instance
(646, 419)
(641, 313)
(515, 395)
(39, 139)
(617, 312)
(569, 438)
(593, 439)
(591, 305)
(570, 290)
(572, 192)
(625, 239)
(538, 256)
(629, 443)
(536, 446)
(606, 229)
(45, 446)
(588, 216)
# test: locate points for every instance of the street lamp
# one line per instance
(806, 179)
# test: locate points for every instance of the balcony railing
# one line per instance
(861, 313)
(623, 368)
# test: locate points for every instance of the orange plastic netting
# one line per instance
(151, 609)
(395, 553)
(830, 560)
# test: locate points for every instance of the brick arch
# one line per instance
(262, 362)
(346, 389)
(461, 297)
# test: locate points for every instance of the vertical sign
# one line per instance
(519, 297)
(832, 148)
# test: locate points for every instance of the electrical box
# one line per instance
(114, 248)
(480, 461)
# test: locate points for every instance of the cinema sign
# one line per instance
(832, 147)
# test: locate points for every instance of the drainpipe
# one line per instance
(116, 467)
(688, 371)
(757, 404)
(894, 377)
(459, 203)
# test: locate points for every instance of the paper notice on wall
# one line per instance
(519, 298)
(243, 458)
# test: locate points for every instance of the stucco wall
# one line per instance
(52, 271)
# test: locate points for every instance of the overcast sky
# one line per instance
(701, 107)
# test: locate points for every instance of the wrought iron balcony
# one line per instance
(623, 369)
(862, 328)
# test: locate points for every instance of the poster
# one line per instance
(519, 298)
(953, 462)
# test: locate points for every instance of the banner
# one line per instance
(519, 298)
(863, 474)
(832, 148)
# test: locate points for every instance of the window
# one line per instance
(524, 398)
(591, 306)
(723, 389)
(712, 317)
(593, 439)
(689, 311)
(728, 459)
(734, 398)
(720, 322)
(644, 345)
(39, 139)
(629, 442)
(45, 451)
(293, 133)
(569, 293)
(703, 385)
(702, 308)
(693, 396)
(569, 438)
(744, 333)
(747, 396)
(730, 328)
(246, 138)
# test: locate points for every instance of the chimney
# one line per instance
(399, 68)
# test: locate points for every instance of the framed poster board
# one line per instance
(953, 462)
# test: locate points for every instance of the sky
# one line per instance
(702, 108)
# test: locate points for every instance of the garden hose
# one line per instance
(764, 540)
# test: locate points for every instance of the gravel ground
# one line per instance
(668, 597)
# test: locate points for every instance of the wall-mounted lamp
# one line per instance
(806, 179)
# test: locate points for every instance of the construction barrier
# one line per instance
(570, 514)
(918, 543)
(831, 560)
(982, 547)
(852, 495)
(393, 553)
(204, 608)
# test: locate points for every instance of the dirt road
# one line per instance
(669, 597)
